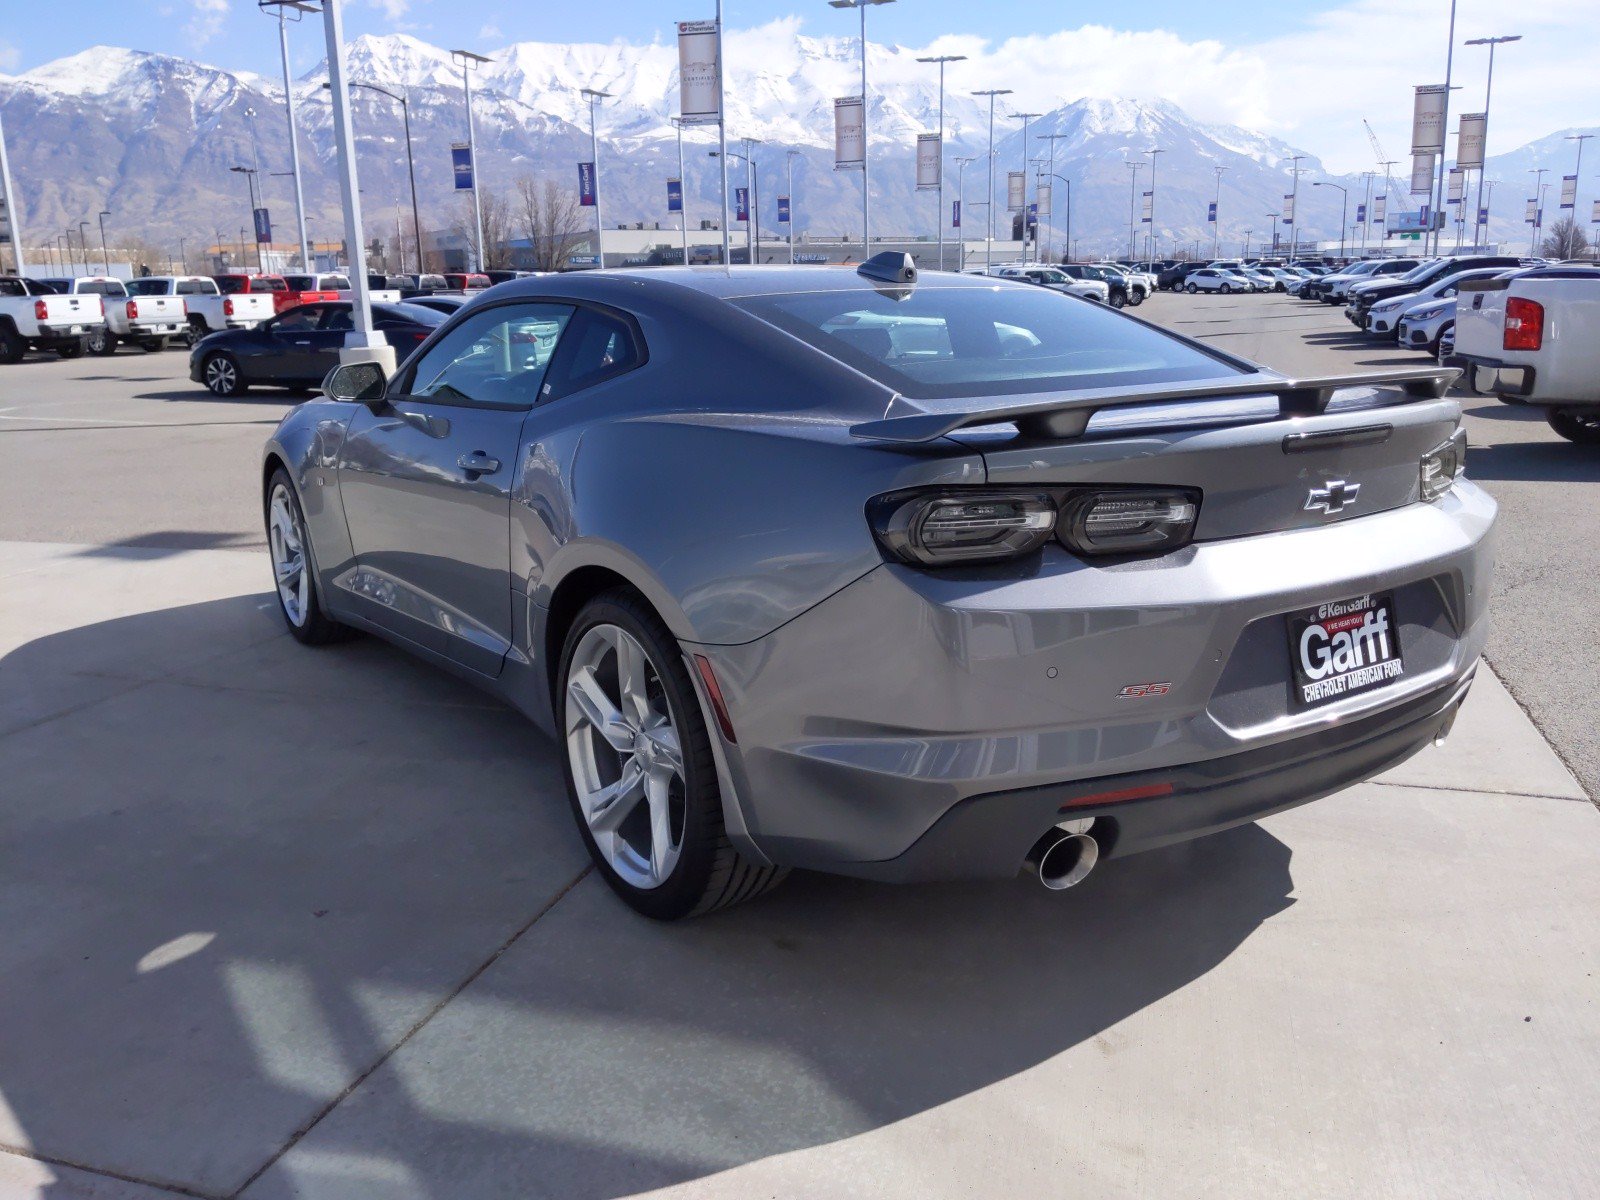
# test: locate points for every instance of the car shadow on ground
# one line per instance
(234, 886)
(1543, 461)
(173, 541)
(199, 393)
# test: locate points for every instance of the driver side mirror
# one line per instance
(360, 382)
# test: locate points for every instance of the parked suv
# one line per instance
(1364, 295)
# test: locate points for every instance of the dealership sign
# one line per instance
(699, 48)
(1569, 191)
(1016, 191)
(586, 189)
(849, 134)
(1421, 174)
(675, 195)
(1469, 142)
(1427, 119)
(263, 227)
(783, 210)
(461, 161)
(928, 153)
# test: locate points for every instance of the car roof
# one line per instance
(726, 283)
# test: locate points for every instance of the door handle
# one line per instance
(478, 463)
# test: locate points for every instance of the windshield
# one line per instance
(962, 341)
(102, 287)
(149, 287)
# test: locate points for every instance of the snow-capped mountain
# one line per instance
(151, 137)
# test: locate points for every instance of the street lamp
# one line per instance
(250, 176)
(470, 62)
(941, 59)
(749, 240)
(105, 254)
(1247, 234)
(1025, 118)
(594, 96)
(1216, 216)
(1488, 93)
(411, 169)
(1344, 208)
(83, 244)
(1294, 206)
(1133, 187)
(299, 8)
(683, 192)
(1577, 171)
(788, 169)
(1068, 182)
(1053, 138)
(961, 201)
(1150, 238)
(988, 246)
(866, 223)
(1538, 207)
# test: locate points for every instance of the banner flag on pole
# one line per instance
(1288, 209)
(1016, 190)
(1457, 183)
(1042, 199)
(263, 227)
(1427, 119)
(1470, 139)
(586, 192)
(955, 214)
(1361, 214)
(1149, 208)
(849, 134)
(1380, 208)
(1211, 213)
(783, 210)
(1569, 191)
(1483, 216)
(1422, 174)
(698, 69)
(928, 155)
(461, 160)
(675, 195)
(741, 204)
(1530, 215)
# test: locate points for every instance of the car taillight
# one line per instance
(41, 310)
(1524, 324)
(132, 309)
(963, 526)
(185, 305)
(1439, 467)
(1128, 520)
(227, 307)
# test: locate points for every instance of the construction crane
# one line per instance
(1384, 161)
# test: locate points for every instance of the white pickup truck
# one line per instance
(340, 286)
(209, 311)
(146, 322)
(33, 316)
(1534, 338)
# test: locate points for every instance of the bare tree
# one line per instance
(1565, 240)
(549, 217)
(497, 230)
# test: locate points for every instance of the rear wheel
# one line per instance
(1226, 288)
(102, 342)
(222, 377)
(1192, 288)
(294, 569)
(196, 331)
(75, 350)
(151, 345)
(12, 345)
(640, 773)
(1118, 300)
(1136, 298)
(1581, 425)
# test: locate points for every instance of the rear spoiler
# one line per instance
(1066, 414)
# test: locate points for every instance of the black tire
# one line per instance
(316, 627)
(1118, 300)
(101, 342)
(197, 330)
(221, 375)
(152, 345)
(1192, 288)
(1580, 425)
(1136, 298)
(1226, 288)
(73, 351)
(709, 873)
(12, 345)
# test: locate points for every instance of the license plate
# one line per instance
(77, 329)
(1343, 649)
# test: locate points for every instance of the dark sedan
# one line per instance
(297, 348)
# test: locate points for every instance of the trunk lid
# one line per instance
(77, 309)
(158, 309)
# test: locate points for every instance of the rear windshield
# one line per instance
(336, 283)
(102, 287)
(268, 283)
(149, 287)
(300, 283)
(967, 341)
(196, 287)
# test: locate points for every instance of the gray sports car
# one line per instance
(900, 578)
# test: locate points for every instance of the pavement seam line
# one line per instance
(1472, 791)
(55, 1160)
(1548, 741)
(350, 1088)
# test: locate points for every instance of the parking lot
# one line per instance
(318, 924)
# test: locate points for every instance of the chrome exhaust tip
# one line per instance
(1063, 860)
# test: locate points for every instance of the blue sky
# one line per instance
(1307, 71)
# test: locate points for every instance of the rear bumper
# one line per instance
(1492, 377)
(990, 836)
(908, 697)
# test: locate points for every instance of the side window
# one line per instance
(598, 347)
(497, 357)
(297, 320)
(337, 318)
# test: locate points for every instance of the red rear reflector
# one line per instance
(1147, 792)
(227, 307)
(133, 309)
(714, 694)
(41, 311)
(1524, 324)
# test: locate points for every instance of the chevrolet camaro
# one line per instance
(905, 578)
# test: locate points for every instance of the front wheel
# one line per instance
(1192, 288)
(75, 350)
(639, 768)
(222, 377)
(1226, 288)
(102, 342)
(294, 569)
(151, 345)
(1581, 425)
(1118, 300)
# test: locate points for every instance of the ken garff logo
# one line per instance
(1336, 497)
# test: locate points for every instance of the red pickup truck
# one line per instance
(283, 295)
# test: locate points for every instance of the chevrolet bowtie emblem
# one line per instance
(1336, 497)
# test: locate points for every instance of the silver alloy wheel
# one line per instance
(286, 543)
(625, 755)
(221, 375)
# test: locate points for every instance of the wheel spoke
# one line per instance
(288, 571)
(662, 850)
(610, 806)
(633, 672)
(595, 707)
(669, 755)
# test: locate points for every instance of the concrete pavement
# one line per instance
(285, 922)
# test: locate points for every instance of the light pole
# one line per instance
(938, 224)
(788, 184)
(1053, 138)
(1436, 186)
(1538, 207)
(284, 8)
(1025, 118)
(594, 97)
(749, 241)
(1577, 171)
(13, 209)
(250, 177)
(469, 62)
(411, 168)
(866, 220)
(988, 245)
(64, 254)
(752, 227)
(1344, 208)
(683, 192)
(83, 244)
(105, 254)
(1149, 251)
(1488, 94)
(1366, 209)
(1294, 206)
(1065, 252)
(1216, 216)
(1247, 234)
(1133, 188)
(961, 201)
